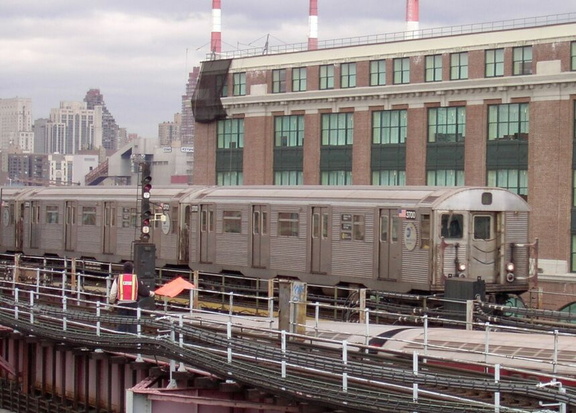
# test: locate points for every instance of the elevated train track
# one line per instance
(314, 373)
(375, 382)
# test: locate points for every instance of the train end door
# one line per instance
(483, 247)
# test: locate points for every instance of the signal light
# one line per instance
(145, 210)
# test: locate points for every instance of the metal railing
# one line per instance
(405, 35)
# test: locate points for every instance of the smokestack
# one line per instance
(313, 24)
(216, 38)
(412, 16)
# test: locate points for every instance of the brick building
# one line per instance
(489, 104)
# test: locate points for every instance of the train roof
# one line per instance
(443, 198)
(438, 198)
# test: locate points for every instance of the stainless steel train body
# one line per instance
(398, 239)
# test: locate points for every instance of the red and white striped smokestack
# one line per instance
(412, 16)
(313, 24)
(216, 38)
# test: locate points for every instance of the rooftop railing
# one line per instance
(522, 23)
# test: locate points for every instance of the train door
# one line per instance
(184, 241)
(321, 242)
(20, 226)
(483, 261)
(260, 236)
(35, 228)
(70, 225)
(389, 251)
(109, 228)
(207, 233)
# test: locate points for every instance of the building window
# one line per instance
(494, 62)
(327, 77)
(378, 72)
(88, 215)
(446, 124)
(459, 66)
(389, 126)
(348, 75)
(288, 223)
(239, 80)
(52, 214)
(336, 178)
(288, 178)
(522, 60)
(573, 253)
(515, 180)
(279, 81)
(299, 79)
(231, 133)
(445, 177)
(508, 121)
(232, 178)
(434, 68)
(401, 70)
(337, 129)
(289, 130)
(389, 178)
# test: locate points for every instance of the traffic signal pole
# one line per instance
(144, 250)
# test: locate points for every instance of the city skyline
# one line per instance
(139, 56)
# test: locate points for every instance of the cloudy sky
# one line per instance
(139, 53)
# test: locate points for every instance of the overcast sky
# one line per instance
(139, 53)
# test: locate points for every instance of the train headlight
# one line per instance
(510, 276)
(461, 267)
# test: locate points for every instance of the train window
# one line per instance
(256, 222)
(52, 215)
(483, 227)
(424, 231)
(395, 229)
(383, 228)
(264, 223)
(359, 227)
(324, 226)
(288, 224)
(232, 222)
(486, 198)
(452, 226)
(88, 215)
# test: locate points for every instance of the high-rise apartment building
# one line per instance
(73, 128)
(188, 122)
(16, 124)
(169, 132)
(110, 135)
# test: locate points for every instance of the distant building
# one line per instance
(41, 135)
(28, 169)
(74, 128)
(169, 132)
(109, 127)
(61, 167)
(188, 122)
(16, 123)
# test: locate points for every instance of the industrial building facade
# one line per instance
(492, 107)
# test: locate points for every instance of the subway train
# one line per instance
(395, 239)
